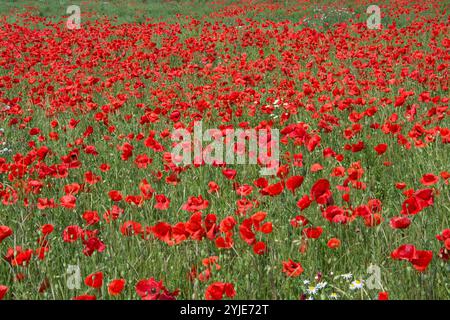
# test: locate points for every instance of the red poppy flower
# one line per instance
(383, 296)
(115, 195)
(334, 243)
(400, 185)
(72, 233)
(315, 167)
(68, 201)
(404, 252)
(227, 224)
(195, 204)
(373, 220)
(292, 269)
(91, 217)
(3, 291)
(162, 231)
(261, 183)
(127, 151)
(146, 189)
(91, 150)
(429, 179)
(444, 235)
(244, 190)
(91, 245)
(362, 211)
(47, 229)
(162, 202)
(299, 221)
(135, 200)
(217, 290)
(320, 192)
(72, 188)
(313, 233)
(422, 259)
(336, 214)
(381, 148)
(445, 175)
(179, 233)
(259, 248)
(85, 297)
(115, 287)
(105, 167)
(243, 206)
(294, 182)
(94, 280)
(113, 214)
(130, 228)
(258, 217)
(213, 187)
(400, 222)
(266, 228)
(411, 206)
(273, 189)
(205, 275)
(304, 202)
(152, 290)
(19, 256)
(424, 197)
(229, 173)
(5, 232)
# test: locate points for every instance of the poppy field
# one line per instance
(351, 199)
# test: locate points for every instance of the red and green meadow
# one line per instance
(94, 206)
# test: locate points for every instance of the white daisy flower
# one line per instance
(312, 290)
(357, 284)
(334, 296)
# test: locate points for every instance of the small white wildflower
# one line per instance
(357, 284)
(306, 282)
(334, 296)
(347, 276)
(311, 290)
(321, 285)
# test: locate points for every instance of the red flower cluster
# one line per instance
(444, 237)
(151, 289)
(217, 290)
(249, 227)
(420, 259)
